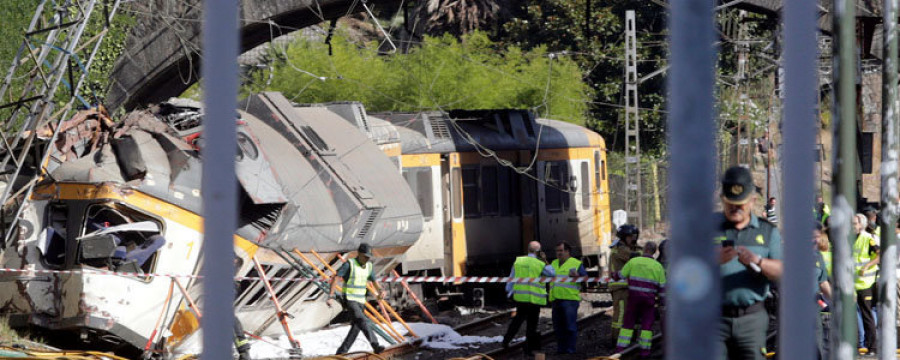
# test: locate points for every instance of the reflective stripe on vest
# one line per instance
(355, 285)
(534, 293)
(862, 257)
(565, 290)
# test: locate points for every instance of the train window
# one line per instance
(456, 189)
(489, 191)
(552, 193)
(603, 169)
(53, 238)
(597, 165)
(585, 188)
(419, 180)
(135, 238)
(508, 191)
(528, 193)
(470, 191)
(425, 192)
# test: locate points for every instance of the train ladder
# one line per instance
(370, 311)
(282, 315)
(381, 302)
(373, 322)
(53, 51)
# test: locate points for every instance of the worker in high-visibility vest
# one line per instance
(623, 249)
(865, 255)
(646, 279)
(356, 274)
(566, 296)
(822, 211)
(529, 296)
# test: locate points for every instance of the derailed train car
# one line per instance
(126, 197)
(490, 181)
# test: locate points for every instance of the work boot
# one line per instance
(378, 349)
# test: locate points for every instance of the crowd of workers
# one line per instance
(749, 253)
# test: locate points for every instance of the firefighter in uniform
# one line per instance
(357, 273)
(865, 255)
(529, 296)
(750, 260)
(565, 298)
(623, 249)
(646, 278)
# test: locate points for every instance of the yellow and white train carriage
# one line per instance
(309, 182)
(488, 182)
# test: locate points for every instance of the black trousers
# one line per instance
(357, 324)
(864, 300)
(530, 313)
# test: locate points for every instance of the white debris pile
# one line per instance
(437, 336)
(326, 341)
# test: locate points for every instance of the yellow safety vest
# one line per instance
(826, 255)
(565, 290)
(862, 257)
(529, 292)
(355, 285)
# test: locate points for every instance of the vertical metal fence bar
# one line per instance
(694, 305)
(887, 282)
(843, 342)
(219, 184)
(797, 327)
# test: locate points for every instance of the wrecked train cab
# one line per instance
(122, 202)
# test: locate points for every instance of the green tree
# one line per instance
(442, 73)
(592, 33)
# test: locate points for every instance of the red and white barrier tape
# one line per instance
(385, 279)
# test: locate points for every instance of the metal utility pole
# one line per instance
(743, 133)
(694, 299)
(843, 204)
(890, 160)
(219, 183)
(633, 195)
(51, 54)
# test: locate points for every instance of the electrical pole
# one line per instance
(633, 198)
(743, 134)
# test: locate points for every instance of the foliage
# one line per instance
(592, 33)
(443, 72)
(17, 16)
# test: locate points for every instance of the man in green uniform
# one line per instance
(623, 250)
(566, 296)
(529, 296)
(750, 259)
(357, 273)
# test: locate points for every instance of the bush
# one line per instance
(441, 73)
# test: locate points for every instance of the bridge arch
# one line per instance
(161, 58)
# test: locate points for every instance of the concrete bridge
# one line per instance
(162, 53)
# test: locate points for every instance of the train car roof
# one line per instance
(309, 179)
(497, 130)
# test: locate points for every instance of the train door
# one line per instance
(528, 199)
(601, 208)
(554, 201)
(455, 251)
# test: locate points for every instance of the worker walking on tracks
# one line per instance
(623, 250)
(529, 296)
(646, 279)
(566, 296)
(750, 259)
(356, 274)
